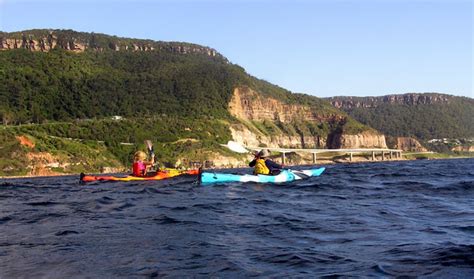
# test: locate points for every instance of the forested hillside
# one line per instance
(61, 85)
(98, 81)
(423, 116)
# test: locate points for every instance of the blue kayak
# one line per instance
(284, 176)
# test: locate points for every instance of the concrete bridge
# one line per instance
(384, 152)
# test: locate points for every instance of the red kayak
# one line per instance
(168, 173)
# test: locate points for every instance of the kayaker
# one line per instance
(140, 164)
(263, 165)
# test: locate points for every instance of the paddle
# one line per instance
(237, 147)
(149, 146)
(151, 152)
(300, 174)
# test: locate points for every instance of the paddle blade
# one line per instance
(301, 174)
(149, 145)
(236, 147)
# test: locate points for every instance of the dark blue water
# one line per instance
(381, 220)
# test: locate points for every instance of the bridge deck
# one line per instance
(350, 151)
(355, 150)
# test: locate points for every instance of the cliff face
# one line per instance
(409, 144)
(46, 40)
(242, 134)
(423, 116)
(348, 103)
(463, 148)
(248, 105)
(362, 140)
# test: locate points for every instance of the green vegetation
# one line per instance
(92, 145)
(453, 118)
(449, 145)
(132, 130)
(12, 155)
(422, 156)
(267, 127)
(164, 129)
(71, 156)
(174, 93)
(60, 85)
(63, 86)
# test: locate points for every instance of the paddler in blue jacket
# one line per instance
(262, 165)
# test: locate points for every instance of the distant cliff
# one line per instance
(422, 116)
(409, 99)
(46, 40)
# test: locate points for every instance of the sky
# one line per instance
(322, 47)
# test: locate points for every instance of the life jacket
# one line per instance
(139, 168)
(261, 167)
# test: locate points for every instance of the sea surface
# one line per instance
(378, 220)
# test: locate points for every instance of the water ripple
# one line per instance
(372, 220)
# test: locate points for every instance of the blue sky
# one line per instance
(321, 47)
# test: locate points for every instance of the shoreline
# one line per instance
(319, 162)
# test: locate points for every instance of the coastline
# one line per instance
(355, 160)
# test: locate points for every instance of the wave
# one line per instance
(452, 255)
(43, 203)
(420, 260)
(5, 219)
(363, 220)
(66, 232)
(457, 186)
(164, 219)
(468, 229)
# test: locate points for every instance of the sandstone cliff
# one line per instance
(47, 40)
(366, 139)
(244, 135)
(409, 144)
(248, 105)
(463, 148)
(348, 103)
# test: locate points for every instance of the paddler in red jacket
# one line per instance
(140, 164)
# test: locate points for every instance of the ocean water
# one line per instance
(379, 220)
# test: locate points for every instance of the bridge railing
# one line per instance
(383, 152)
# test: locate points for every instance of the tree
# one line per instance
(7, 116)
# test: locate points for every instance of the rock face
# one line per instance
(40, 163)
(248, 105)
(348, 103)
(463, 148)
(409, 144)
(362, 140)
(46, 40)
(44, 44)
(242, 134)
